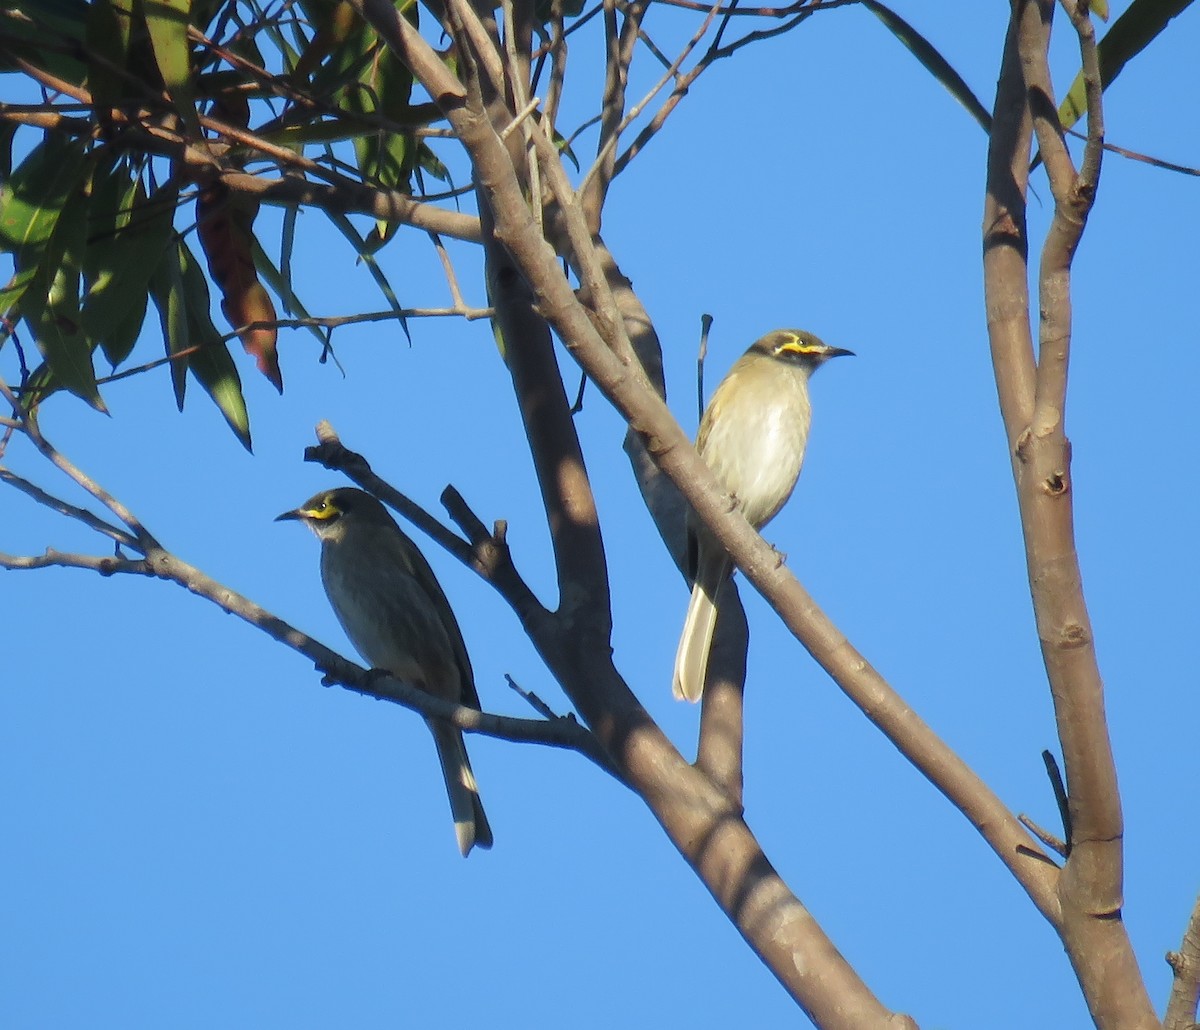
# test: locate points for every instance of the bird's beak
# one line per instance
(838, 352)
(295, 515)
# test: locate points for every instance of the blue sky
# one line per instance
(199, 834)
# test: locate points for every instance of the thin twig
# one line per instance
(1060, 799)
(1055, 844)
(565, 732)
(684, 82)
(451, 278)
(530, 698)
(706, 322)
(70, 510)
(1185, 988)
(577, 407)
(558, 62)
(520, 117)
(29, 426)
(486, 553)
(604, 157)
(106, 565)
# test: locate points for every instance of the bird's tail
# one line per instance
(470, 823)
(691, 660)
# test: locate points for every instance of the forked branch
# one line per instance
(1033, 403)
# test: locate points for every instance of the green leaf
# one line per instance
(42, 225)
(934, 62)
(366, 78)
(282, 286)
(51, 305)
(180, 293)
(346, 228)
(431, 164)
(32, 199)
(121, 336)
(1130, 35)
(298, 136)
(128, 237)
(166, 287)
(167, 23)
(212, 365)
(47, 33)
(109, 23)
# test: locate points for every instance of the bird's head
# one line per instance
(331, 512)
(797, 348)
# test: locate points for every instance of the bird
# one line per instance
(395, 613)
(752, 435)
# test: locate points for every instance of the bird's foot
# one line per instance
(373, 676)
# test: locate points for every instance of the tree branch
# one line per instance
(561, 732)
(1185, 988)
(697, 816)
(63, 508)
(141, 537)
(486, 553)
(1032, 401)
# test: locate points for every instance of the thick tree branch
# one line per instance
(695, 813)
(1033, 406)
(567, 496)
(622, 380)
(1005, 238)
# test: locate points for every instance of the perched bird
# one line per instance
(752, 436)
(393, 610)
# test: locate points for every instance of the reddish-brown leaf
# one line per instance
(226, 231)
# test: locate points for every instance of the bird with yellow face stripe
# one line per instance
(752, 435)
(393, 609)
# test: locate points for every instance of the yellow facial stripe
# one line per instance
(322, 511)
(797, 345)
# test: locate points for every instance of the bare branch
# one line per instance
(484, 47)
(641, 407)
(619, 50)
(698, 817)
(29, 426)
(63, 508)
(485, 553)
(562, 732)
(1032, 401)
(1185, 988)
(1055, 844)
(332, 454)
(558, 62)
(106, 565)
(355, 198)
(594, 187)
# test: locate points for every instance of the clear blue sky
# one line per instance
(198, 834)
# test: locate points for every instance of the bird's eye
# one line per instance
(322, 505)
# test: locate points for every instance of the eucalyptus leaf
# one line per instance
(129, 234)
(933, 61)
(1129, 36)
